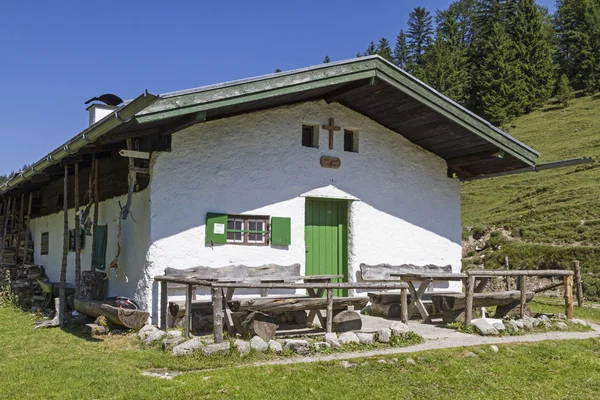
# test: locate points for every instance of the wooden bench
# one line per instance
(387, 303)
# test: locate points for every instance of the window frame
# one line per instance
(354, 140)
(245, 231)
(45, 245)
(314, 136)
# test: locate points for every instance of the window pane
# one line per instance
(239, 224)
(259, 226)
(252, 225)
(348, 141)
(238, 236)
(308, 136)
(252, 237)
(230, 236)
(230, 224)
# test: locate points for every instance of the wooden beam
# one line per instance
(121, 137)
(462, 172)
(522, 284)
(4, 229)
(20, 226)
(164, 297)
(63, 266)
(217, 303)
(96, 168)
(329, 317)
(473, 158)
(71, 160)
(469, 299)
(532, 272)
(27, 229)
(345, 90)
(578, 282)
(77, 234)
(569, 296)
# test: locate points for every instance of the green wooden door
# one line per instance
(326, 238)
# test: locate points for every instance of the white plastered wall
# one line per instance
(135, 236)
(404, 209)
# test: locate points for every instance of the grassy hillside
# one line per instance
(545, 219)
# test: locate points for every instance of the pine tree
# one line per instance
(326, 60)
(401, 52)
(563, 91)
(384, 50)
(420, 33)
(533, 55)
(496, 90)
(446, 64)
(371, 50)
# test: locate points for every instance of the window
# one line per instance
(310, 136)
(45, 243)
(351, 141)
(247, 229)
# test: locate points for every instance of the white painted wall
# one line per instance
(405, 209)
(135, 236)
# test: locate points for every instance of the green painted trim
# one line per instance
(444, 106)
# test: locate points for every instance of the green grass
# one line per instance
(61, 364)
(553, 216)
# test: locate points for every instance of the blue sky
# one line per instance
(56, 55)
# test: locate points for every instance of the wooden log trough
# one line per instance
(119, 316)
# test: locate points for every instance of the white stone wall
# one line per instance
(404, 208)
(135, 242)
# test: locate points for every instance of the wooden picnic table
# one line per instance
(425, 279)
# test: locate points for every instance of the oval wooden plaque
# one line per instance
(330, 162)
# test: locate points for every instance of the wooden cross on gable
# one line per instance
(331, 128)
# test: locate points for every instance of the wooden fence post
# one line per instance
(469, 298)
(27, 229)
(77, 233)
(507, 278)
(3, 244)
(163, 305)
(404, 305)
(578, 282)
(329, 317)
(217, 303)
(569, 296)
(187, 323)
(523, 295)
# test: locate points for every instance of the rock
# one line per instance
(513, 325)
(258, 344)
(484, 327)
(242, 347)
(535, 322)
(332, 339)
(187, 347)
(347, 321)
(578, 322)
(544, 318)
(561, 325)
(168, 343)
(399, 328)
(364, 338)
(94, 329)
(275, 347)
(348, 337)
(527, 324)
(145, 330)
(382, 361)
(494, 348)
(346, 364)
(547, 324)
(384, 335)
(154, 336)
(470, 354)
(297, 346)
(216, 348)
(411, 361)
(519, 324)
(319, 346)
(561, 316)
(174, 334)
(499, 326)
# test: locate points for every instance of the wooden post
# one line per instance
(217, 303)
(507, 265)
(578, 282)
(11, 229)
(63, 266)
(27, 228)
(569, 296)
(20, 226)
(404, 305)
(469, 298)
(163, 305)
(96, 190)
(3, 244)
(187, 322)
(77, 233)
(523, 295)
(329, 317)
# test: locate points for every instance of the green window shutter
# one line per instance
(281, 231)
(220, 221)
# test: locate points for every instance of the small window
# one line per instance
(310, 136)
(247, 229)
(45, 243)
(351, 141)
